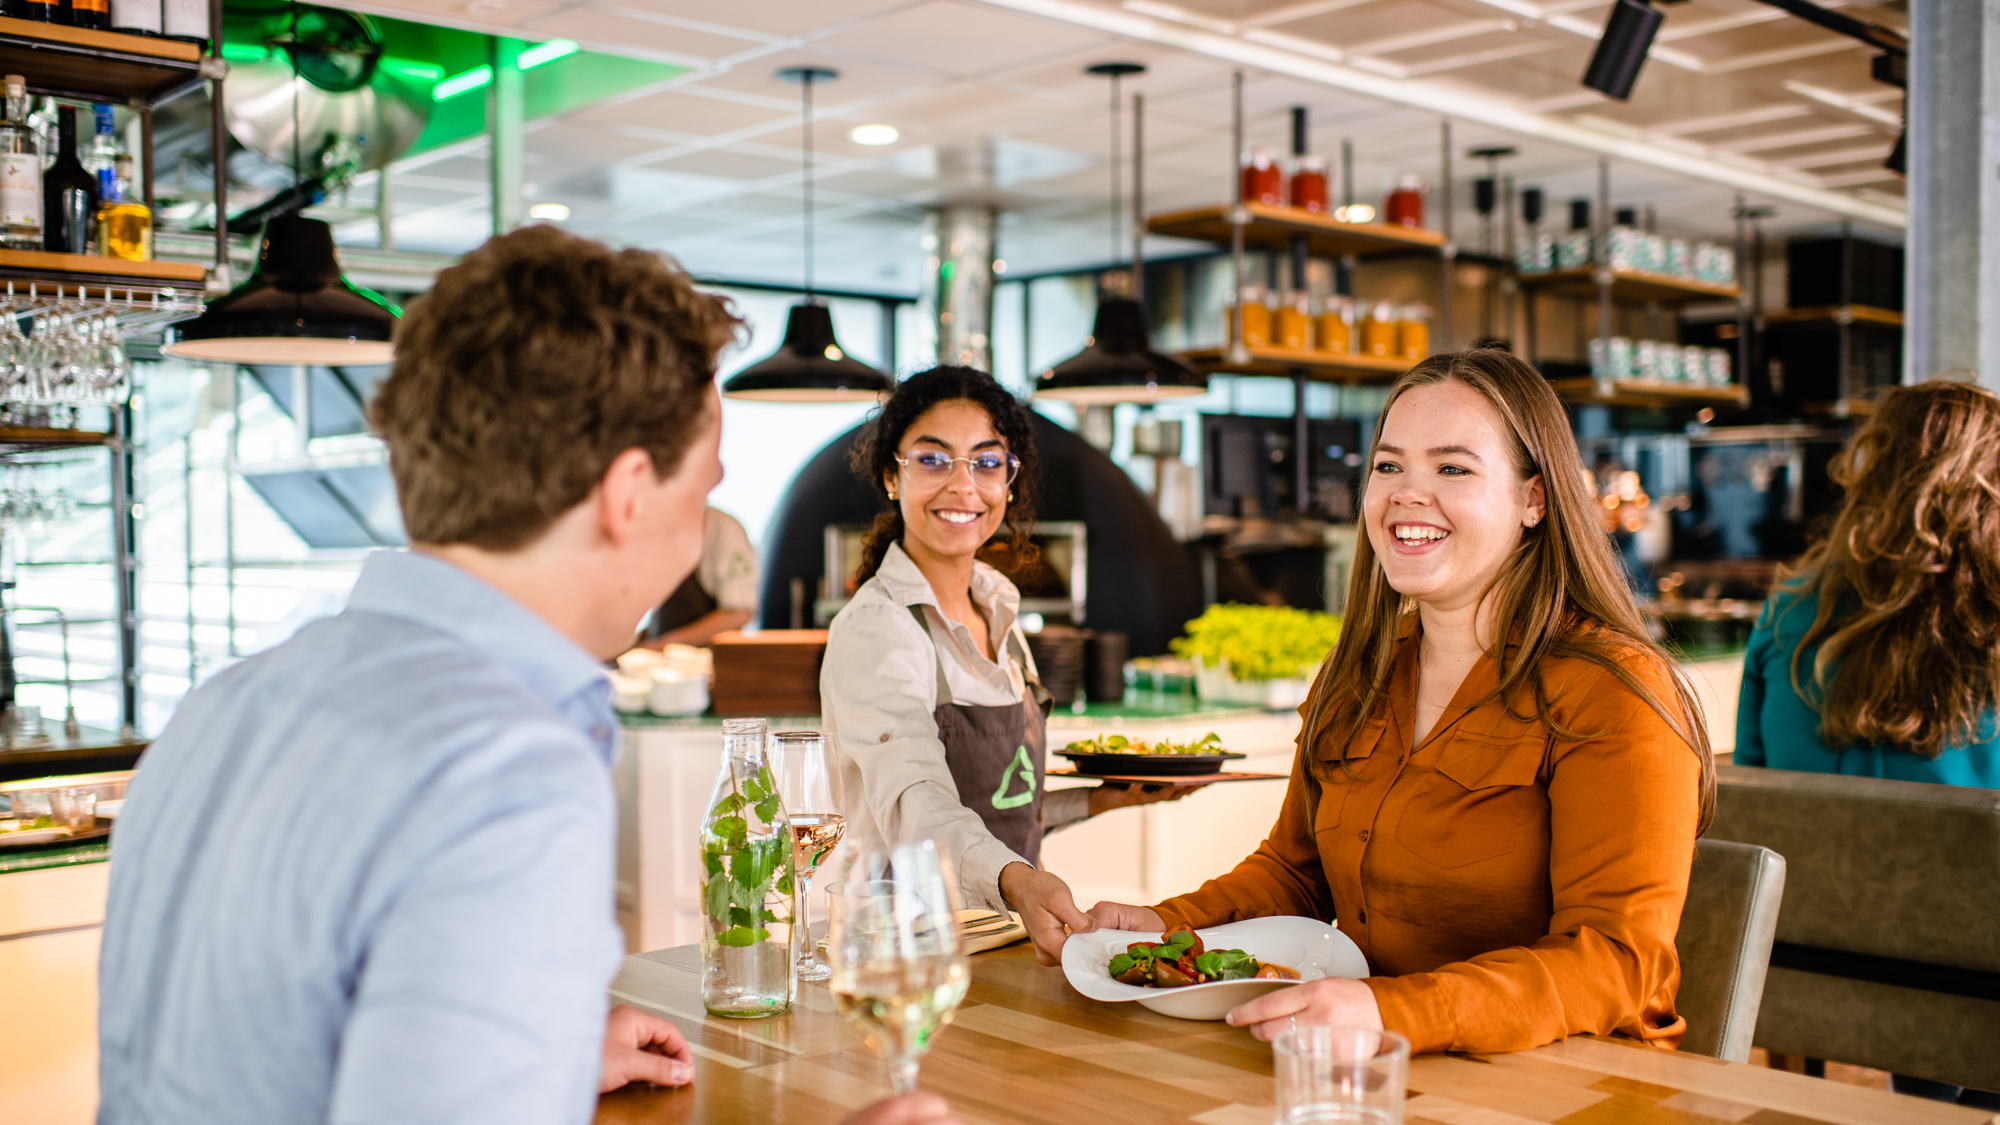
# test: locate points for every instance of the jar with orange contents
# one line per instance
(1309, 184)
(1413, 332)
(1405, 205)
(1292, 327)
(1333, 328)
(1378, 330)
(1263, 180)
(1253, 317)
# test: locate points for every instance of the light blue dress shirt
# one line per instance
(1776, 728)
(367, 876)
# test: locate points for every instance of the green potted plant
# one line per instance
(1257, 654)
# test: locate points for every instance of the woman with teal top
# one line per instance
(1878, 655)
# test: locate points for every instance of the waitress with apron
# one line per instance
(928, 689)
(720, 595)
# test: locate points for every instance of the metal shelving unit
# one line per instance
(140, 72)
(1610, 287)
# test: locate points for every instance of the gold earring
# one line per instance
(892, 496)
(1010, 497)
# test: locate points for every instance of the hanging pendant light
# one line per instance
(1118, 363)
(296, 308)
(810, 365)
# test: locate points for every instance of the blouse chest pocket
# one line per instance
(1344, 766)
(1477, 801)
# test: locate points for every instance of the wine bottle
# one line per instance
(124, 225)
(186, 19)
(69, 194)
(90, 13)
(20, 173)
(41, 11)
(137, 17)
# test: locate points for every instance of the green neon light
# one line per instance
(462, 83)
(546, 53)
(245, 52)
(409, 68)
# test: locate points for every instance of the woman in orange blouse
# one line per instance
(1500, 778)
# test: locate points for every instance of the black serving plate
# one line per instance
(1148, 765)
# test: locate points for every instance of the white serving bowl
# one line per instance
(676, 693)
(1311, 946)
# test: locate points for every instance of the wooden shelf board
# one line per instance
(1647, 393)
(17, 439)
(104, 65)
(1321, 366)
(91, 270)
(1628, 285)
(1272, 228)
(1837, 314)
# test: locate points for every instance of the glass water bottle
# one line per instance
(747, 874)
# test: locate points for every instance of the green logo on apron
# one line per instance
(1024, 767)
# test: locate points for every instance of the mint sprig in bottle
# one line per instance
(746, 883)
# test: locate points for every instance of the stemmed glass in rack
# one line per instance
(809, 785)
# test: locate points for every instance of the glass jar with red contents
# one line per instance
(1405, 206)
(1263, 180)
(1309, 184)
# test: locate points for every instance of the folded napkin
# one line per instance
(982, 930)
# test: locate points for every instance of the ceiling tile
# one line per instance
(611, 31)
(962, 40)
(773, 18)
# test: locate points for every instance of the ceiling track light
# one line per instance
(1621, 51)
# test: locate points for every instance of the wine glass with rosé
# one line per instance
(809, 785)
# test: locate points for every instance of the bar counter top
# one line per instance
(1026, 1047)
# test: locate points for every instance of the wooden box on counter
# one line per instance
(772, 672)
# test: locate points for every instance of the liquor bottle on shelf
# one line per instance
(103, 155)
(89, 13)
(186, 19)
(41, 11)
(138, 17)
(69, 194)
(124, 225)
(20, 173)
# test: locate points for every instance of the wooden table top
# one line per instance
(1025, 1047)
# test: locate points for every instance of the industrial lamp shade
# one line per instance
(1628, 35)
(808, 367)
(1118, 364)
(295, 309)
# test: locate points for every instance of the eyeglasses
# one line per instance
(990, 470)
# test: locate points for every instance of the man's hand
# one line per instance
(910, 1109)
(1046, 907)
(1334, 1000)
(643, 1048)
(1124, 794)
(1118, 916)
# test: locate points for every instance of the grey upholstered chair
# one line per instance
(1725, 944)
(1888, 946)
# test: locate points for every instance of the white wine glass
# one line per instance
(809, 785)
(899, 969)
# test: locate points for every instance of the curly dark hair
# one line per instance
(874, 455)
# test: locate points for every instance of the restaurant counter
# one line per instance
(51, 921)
(666, 768)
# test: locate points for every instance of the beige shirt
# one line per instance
(879, 694)
(728, 568)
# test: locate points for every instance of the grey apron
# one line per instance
(996, 755)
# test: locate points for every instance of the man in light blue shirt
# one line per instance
(366, 876)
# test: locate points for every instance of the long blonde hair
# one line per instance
(1561, 595)
(1908, 576)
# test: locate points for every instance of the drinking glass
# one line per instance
(899, 968)
(1328, 1075)
(809, 786)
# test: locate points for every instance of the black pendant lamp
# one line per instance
(810, 365)
(1118, 363)
(296, 308)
